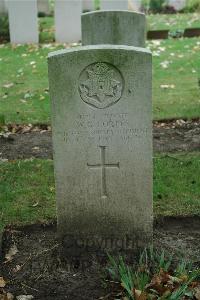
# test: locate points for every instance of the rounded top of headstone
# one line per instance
(117, 27)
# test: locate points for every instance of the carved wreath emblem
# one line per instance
(100, 85)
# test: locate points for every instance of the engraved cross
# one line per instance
(103, 166)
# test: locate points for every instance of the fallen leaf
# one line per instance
(36, 148)
(27, 95)
(167, 86)
(8, 85)
(2, 282)
(11, 253)
(139, 295)
(9, 296)
(197, 293)
(25, 297)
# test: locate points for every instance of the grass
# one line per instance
(24, 94)
(176, 67)
(27, 192)
(173, 22)
(47, 30)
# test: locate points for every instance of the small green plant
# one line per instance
(155, 276)
(156, 6)
(192, 6)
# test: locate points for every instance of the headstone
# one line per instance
(114, 4)
(102, 139)
(113, 27)
(134, 5)
(43, 6)
(3, 8)
(23, 22)
(68, 20)
(88, 5)
(177, 4)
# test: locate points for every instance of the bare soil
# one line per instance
(28, 142)
(39, 268)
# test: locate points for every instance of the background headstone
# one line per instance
(134, 5)
(113, 27)
(101, 117)
(23, 21)
(88, 5)
(114, 4)
(43, 6)
(3, 7)
(177, 4)
(68, 20)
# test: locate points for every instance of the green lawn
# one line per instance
(47, 30)
(24, 96)
(154, 22)
(173, 22)
(27, 192)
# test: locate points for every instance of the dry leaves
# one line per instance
(11, 253)
(24, 297)
(3, 294)
(2, 282)
(167, 86)
(6, 296)
(197, 292)
(8, 85)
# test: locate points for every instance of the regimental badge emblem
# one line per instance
(100, 85)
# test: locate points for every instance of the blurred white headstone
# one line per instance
(114, 4)
(23, 22)
(68, 20)
(43, 6)
(3, 7)
(177, 4)
(134, 5)
(88, 5)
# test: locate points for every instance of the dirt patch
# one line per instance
(38, 267)
(30, 141)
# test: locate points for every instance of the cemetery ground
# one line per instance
(24, 85)
(173, 22)
(31, 252)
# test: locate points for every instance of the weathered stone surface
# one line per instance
(68, 20)
(113, 27)
(101, 117)
(23, 22)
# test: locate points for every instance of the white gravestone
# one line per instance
(88, 5)
(134, 5)
(114, 4)
(68, 20)
(23, 21)
(3, 8)
(43, 6)
(113, 27)
(102, 139)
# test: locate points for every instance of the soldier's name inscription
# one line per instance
(104, 129)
